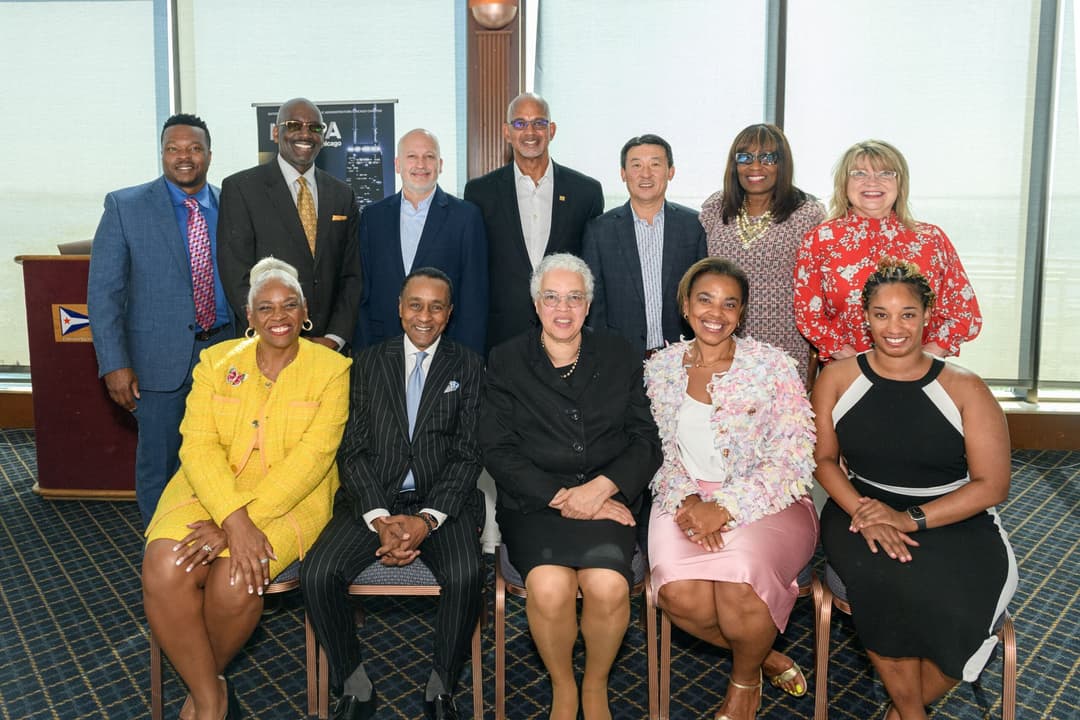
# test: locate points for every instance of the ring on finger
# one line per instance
(264, 561)
(208, 548)
(690, 533)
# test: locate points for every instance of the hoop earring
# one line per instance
(307, 324)
(249, 333)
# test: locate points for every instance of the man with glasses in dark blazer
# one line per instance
(408, 463)
(294, 211)
(532, 207)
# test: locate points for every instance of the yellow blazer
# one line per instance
(270, 448)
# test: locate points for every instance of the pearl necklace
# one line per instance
(752, 229)
(566, 375)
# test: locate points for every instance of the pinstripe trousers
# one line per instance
(346, 546)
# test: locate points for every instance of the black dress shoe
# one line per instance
(349, 707)
(441, 708)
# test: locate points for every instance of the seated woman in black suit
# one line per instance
(570, 441)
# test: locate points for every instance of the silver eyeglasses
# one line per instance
(552, 299)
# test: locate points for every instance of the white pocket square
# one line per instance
(451, 386)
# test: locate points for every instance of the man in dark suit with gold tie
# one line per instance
(532, 207)
(408, 463)
(294, 211)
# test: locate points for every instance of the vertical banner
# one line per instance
(358, 146)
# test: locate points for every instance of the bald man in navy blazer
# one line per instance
(532, 207)
(422, 226)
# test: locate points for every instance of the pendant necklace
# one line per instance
(752, 229)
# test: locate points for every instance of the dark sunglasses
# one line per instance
(766, 158)
(297, 125)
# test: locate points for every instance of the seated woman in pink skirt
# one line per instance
(732, 523)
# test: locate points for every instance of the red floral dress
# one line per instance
(837, 257)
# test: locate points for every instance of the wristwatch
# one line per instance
(916, 513)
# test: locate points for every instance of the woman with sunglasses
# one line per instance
(757, 222)
(869, 219)
(570, 441)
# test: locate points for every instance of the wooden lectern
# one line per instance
(85, 442)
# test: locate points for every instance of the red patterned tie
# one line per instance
(202, 268)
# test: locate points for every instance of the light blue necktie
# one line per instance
(413, 391)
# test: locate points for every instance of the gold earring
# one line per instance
(307, 324)
(249, 333)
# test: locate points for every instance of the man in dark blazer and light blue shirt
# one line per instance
(294, 211)
(532, 207)
(408, 489)
(148, 326)
(639, 251)
(422, 226)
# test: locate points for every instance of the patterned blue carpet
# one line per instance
(73, 639)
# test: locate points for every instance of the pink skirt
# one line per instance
(767, 554)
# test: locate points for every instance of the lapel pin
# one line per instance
(562, 198)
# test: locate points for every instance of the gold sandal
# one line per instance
(788, 675)
(744, 686)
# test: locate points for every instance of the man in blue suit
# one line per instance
(422, 226)
(639, 251)
(155, 299)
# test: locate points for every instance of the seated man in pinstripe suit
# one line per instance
(408, 464)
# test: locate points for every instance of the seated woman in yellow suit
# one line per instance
(255, 486)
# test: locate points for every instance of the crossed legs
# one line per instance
(199, 620)
(729, 615)
(912, 684)
(551, 607)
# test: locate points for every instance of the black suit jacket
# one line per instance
(610, 249)
(444, 452)
(577, 198)
(453, 241)
(541, 433)
(258, 217)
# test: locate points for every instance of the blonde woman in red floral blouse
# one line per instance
(869, 220)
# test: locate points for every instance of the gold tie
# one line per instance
(306, 206)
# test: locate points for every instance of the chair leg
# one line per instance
(1008, 672)
(650, 644)
(156, 710)
(664, 670)
(500, 640)
(477, 671)
(311, 668)
(324, 685)
(822, 628)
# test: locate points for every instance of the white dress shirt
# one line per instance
(534, 205)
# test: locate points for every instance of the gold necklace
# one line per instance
(573, 367)
(261, 362)
(699, 363)
(752, 229)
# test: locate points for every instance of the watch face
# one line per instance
(916, 513)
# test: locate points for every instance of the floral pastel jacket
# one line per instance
(764, 429)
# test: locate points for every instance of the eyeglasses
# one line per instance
(537, 123)
(297, 125)
(766, 158)
(863, 175)
(552, 299)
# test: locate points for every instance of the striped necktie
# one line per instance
(202, 265)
